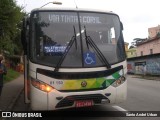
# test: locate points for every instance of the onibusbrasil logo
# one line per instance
(21, 114)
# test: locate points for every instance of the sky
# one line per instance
(136, 15)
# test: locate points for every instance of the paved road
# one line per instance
(143, 95)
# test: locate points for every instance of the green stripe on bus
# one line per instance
(116, 75)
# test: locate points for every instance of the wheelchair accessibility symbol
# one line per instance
(89, 58)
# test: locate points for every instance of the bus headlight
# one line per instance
(41, 85)
(119, 81)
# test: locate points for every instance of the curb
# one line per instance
(13, 102)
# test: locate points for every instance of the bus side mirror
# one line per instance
(24, 35)
(23, 41)
(121, 25)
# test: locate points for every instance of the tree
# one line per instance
(10, 20)
(131, 47)
(136, 41)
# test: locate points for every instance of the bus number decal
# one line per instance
(59, 82)
(51, 82)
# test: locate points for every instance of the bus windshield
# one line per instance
(52, 31)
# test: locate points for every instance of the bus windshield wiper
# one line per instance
(92, 44)
(73, 39)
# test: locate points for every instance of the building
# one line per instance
(144, 65)
(153, 31)
(126, 46)
(132, 52)
(148, 47)
(147, 60)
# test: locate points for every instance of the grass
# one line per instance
(11, 75)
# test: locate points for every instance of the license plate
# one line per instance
(84, 103)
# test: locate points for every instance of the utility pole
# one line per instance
(75, 3)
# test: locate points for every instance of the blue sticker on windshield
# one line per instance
(89, 58)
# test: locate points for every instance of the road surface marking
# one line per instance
(119, 108)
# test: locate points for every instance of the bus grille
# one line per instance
(69, 100)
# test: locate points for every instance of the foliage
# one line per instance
(131, 47)
(136, 41)
(10, 22)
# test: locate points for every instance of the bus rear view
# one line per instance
(73, 58)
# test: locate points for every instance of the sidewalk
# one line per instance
(147, 77)
(10, 93)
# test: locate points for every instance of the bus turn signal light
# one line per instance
(41, 85)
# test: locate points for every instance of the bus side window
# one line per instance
(112, 39)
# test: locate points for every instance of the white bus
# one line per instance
(73, 58)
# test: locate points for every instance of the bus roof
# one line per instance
(72, 9)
